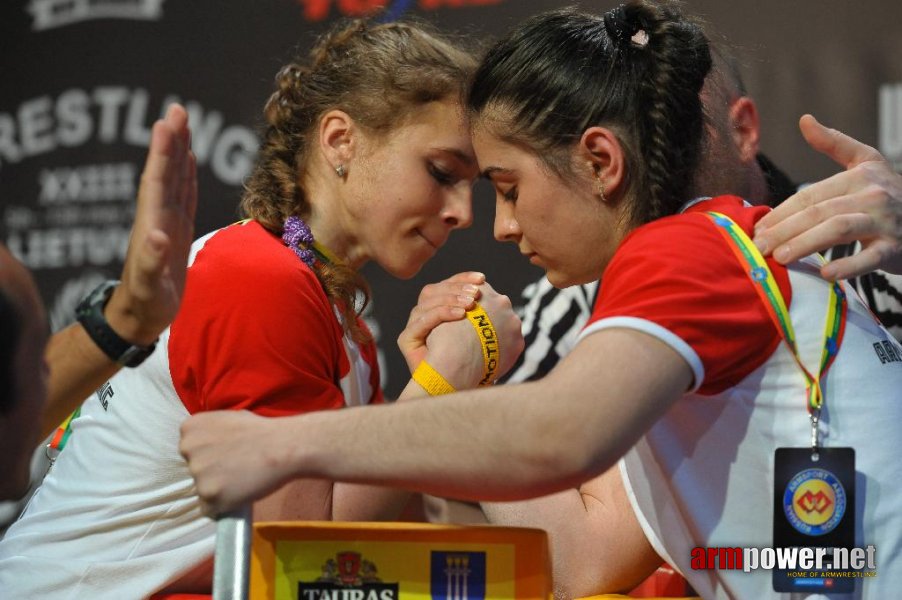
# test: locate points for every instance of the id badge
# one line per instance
(814, 507)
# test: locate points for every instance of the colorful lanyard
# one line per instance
(61, 436)
(769, 292)
(324, 254)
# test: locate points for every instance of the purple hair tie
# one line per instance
(297, 232)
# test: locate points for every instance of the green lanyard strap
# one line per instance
(769, 292)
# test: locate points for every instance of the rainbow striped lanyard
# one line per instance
(61, 436)
(769, 292)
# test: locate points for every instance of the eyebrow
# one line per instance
(488, 172)
(463, 157)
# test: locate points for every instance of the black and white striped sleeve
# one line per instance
(881, 291)
(552, 320)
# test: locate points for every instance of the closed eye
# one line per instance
(511, 194)
(441, 176)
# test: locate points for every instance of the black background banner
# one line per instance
(81, 82)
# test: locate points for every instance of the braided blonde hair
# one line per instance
(377, 73)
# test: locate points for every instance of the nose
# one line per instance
(458, 210)
(506, 229)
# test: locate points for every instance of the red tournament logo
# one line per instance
(818, 502)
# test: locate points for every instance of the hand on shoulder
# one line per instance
(863, 203)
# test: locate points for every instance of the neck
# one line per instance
(332, 227)
(758, 192)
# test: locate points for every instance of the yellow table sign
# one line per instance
(397, 561)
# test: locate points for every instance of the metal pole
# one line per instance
(231, 563)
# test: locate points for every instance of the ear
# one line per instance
(336, 137)
(601, 148)
(745, 127)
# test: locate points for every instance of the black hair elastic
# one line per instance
(622, 30)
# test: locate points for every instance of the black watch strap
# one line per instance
(90, 314)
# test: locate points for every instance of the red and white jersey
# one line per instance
(702, 476)
(117, 516)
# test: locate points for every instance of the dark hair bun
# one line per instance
(622, 25)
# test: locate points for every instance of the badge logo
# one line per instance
(348, 576)
(458, 576)
(814, 502)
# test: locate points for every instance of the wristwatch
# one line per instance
(89, 313)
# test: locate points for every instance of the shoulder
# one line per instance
(244, 247)
(684, 249)
(685, 233)
(246, 291)
(255, 329)
(247, 265)
(679, 280)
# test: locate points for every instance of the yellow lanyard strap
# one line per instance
(769, 292)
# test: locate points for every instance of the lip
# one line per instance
(532, 257)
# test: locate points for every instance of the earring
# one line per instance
(599, 189)
(341, 171)
(599, 182)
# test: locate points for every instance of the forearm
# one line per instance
(506, 442)
(501, 443)
(355, 502)
(565, 517)
(596, 542)
(427, 450)
(77, 368)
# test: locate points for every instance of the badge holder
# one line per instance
(814, 487)
(814, 507)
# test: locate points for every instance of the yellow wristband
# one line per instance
(431, 380)
(489, 341)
